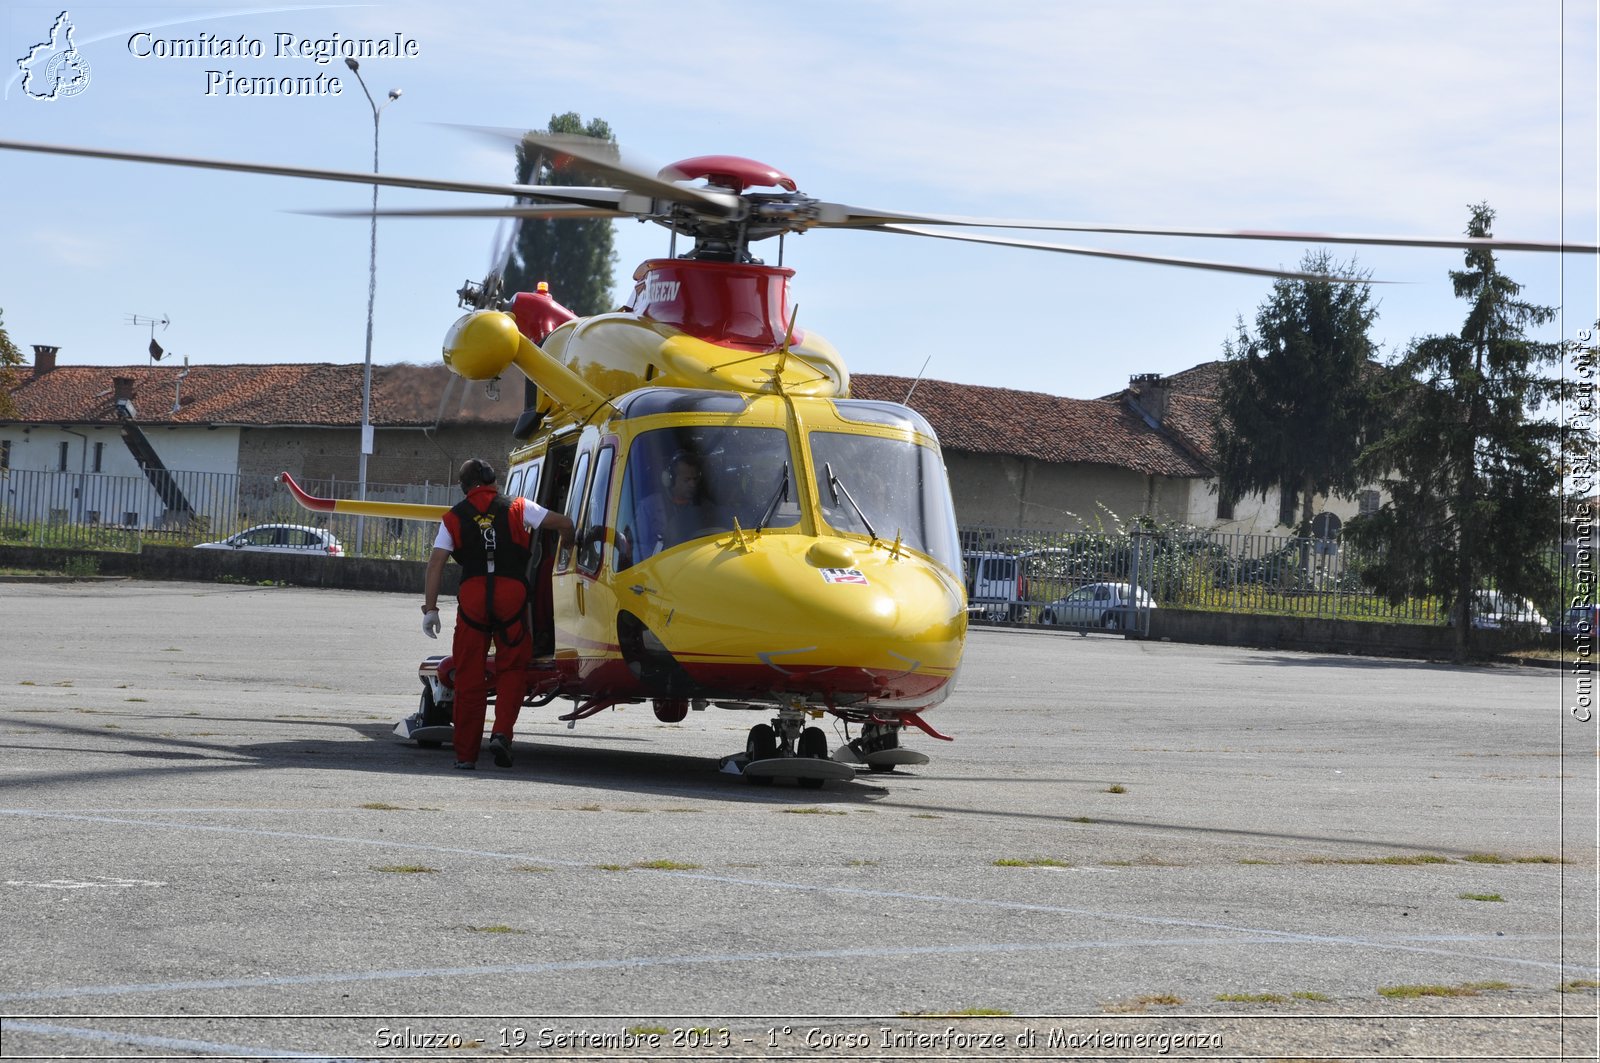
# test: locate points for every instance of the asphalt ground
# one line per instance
(213, 848)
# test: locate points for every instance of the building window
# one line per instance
(1370, 502)
(5, 453)
(1287, 510)
(61, 460)
(99, 457)
(1224, 506)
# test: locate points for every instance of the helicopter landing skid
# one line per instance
(785, 767)
(881, 760)
(426, 735)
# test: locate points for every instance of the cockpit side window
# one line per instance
(882, 487)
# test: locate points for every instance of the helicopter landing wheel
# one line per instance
(762, 744)
(813, 743)
(428, 713)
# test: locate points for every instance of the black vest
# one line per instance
(477, 530)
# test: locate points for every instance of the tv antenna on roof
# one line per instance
(156, 350)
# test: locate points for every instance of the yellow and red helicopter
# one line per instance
(748, 535)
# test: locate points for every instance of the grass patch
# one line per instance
(1481, 897)
(1539, 860)
(1307, 994)
(1252, 998)
(1465, 989)
(498, 928)
(862, 863)
(1037, 861)
(814, 812)
(27, 683)
(381, 806)
(135, 699)
(1252, 860)
(665, 865)
(1577, 984)
(1413, 860)
(1139, 1004)
(1486, 858)
(1082, 819)
(1116, 788)
(647, 1031)
(407, 869)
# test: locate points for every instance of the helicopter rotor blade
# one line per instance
(611, 197)
(840, 216)
(600, 157)
(1131, 256)
(518, 211)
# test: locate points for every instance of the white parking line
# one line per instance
(853, 891)
(180, 1044)
(643, 962)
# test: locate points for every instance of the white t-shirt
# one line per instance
(533, 515)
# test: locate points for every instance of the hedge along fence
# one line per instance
(1192, 568)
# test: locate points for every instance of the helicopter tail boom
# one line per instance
(397, 510)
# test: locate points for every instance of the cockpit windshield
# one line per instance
(872, 485)
(688, 482)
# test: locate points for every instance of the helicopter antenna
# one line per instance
(156, 350)
(917, 381)
(783, 349)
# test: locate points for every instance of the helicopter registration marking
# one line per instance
(661, 291)
(843, 575)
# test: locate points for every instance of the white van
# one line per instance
(996, 585)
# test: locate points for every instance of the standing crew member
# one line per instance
(490, 537)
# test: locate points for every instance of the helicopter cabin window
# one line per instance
(687, 483)
(529, 488)
(514, 482)
(580, 474)
(592, 534)
(870, 485)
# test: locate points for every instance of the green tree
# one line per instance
(10, 358)
(575, 256)
(1472, 470)
(1294, 400)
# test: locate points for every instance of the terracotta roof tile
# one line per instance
(317, 394)
(1030, 424)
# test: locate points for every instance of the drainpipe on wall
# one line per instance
(83, 469)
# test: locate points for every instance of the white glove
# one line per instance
(430, 623)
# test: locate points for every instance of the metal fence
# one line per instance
(1056, 578)
(95, 511)
(1070, 579)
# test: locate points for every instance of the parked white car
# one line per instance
(1097, 605)
(280, 539)
(1494, 611)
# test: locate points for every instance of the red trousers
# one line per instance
(470, 647)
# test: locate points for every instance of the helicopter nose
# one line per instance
(795, 609)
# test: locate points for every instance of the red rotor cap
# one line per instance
(728, 171)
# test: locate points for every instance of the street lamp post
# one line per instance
(372, 292)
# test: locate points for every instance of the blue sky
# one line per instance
(1359, 116)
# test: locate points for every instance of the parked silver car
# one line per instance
(280, 539)
(1097, 605)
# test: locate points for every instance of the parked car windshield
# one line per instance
(872, 485)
